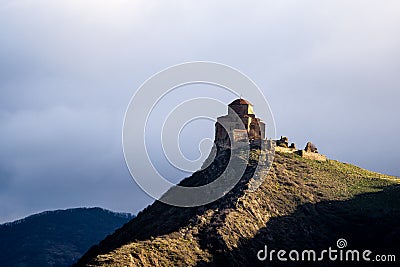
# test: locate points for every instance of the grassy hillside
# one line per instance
(301, 204)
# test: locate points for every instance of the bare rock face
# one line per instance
(310, 147)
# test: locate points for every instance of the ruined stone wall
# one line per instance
(310, 151)
(312, 155)
(285, 149)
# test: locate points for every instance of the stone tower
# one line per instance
(229, 125)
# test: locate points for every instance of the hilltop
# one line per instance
(56, 238)
(302, 203)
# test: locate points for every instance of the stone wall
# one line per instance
(285, 149)
(311, 155)
(309, 152)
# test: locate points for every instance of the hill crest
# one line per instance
(294, 206)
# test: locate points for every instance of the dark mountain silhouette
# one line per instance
(301, 204)
(56, 238)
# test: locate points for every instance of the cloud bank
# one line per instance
(68, 69)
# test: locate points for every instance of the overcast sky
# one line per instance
(329, 69)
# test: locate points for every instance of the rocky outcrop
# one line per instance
(310, 147)
(283, 142)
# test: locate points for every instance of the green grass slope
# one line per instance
(300, 204)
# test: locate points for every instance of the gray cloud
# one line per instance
(68, 69)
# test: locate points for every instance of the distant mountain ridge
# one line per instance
(56, 238)
(64, 211)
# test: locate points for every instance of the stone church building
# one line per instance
(241, 124)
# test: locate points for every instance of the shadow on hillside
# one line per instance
(367, 221)
(160, 219)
